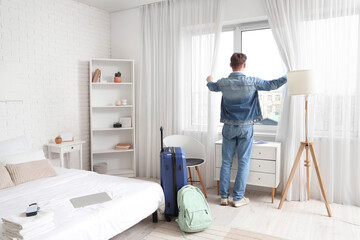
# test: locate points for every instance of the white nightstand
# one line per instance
(264, 165)
(66, 147)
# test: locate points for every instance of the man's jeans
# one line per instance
(238, 138)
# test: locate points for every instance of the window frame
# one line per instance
(259, 130)
(266, 130)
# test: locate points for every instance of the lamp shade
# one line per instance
(301, 82)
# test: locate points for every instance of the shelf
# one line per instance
(112, 129)
(99, 83)
(112, 60)
(103, 112)
(122, 172)
(122, 106)
(112, 151)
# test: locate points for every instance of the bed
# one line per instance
(132, 201)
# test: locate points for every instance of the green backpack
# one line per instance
(194, 211)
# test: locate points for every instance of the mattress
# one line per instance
(132, 201)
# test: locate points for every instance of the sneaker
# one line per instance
(241, 202)
(224, 202)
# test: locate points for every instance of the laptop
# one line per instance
(90, 199)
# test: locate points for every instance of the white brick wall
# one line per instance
(45, 46)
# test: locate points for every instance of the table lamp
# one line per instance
(302, 82)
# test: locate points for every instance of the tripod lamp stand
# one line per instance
(302, 83)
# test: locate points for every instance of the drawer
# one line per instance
(218, 150)
(262, 179)
(254, 178)
(255, 165)
(258, 152)
(232, 175)
(265, 166)
(71, 148)
(263, 152)
(218, 161)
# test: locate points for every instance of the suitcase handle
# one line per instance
(161, 140)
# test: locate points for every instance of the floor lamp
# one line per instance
(302, 83)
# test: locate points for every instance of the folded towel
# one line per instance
(11, 227)
(2, 237)
(23, 232)
(22, 222)
(29, 234)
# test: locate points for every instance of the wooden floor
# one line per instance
(296, 220)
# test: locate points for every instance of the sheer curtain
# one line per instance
(321, 35)
(180, 41)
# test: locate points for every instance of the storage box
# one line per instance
(100, 168)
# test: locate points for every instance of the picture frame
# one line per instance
(96, 76)
(125, 121)
(67, 137)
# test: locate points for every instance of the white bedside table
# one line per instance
(264, 165)
(66, 147)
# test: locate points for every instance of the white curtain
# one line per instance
(180, 41)
(324, 36)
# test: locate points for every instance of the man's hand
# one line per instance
(209, 78)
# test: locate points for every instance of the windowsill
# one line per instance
(264, 134)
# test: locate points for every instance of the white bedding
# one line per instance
(132, 201)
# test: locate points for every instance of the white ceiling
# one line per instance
(116, 5)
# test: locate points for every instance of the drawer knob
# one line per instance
(259, 179)
(259, 152)
(259, 165)
(72, 147)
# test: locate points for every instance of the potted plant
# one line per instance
(117, 78)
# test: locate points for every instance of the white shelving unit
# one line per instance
(103, 113)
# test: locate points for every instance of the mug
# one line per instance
(117, 103)
(124, 101)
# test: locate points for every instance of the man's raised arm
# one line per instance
(213, 86)
(264, 85)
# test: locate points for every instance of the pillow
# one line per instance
(22, 157)
(5, 179)
(14, 145)
(29, 171)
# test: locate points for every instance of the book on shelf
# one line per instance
(122, 146)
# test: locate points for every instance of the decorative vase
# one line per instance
(117, 79)
(58, 140)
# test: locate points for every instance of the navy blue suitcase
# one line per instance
(173, 176)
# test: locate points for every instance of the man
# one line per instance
(240, 109)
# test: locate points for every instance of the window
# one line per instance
(226, 49)
(263, 61)
(336, 111)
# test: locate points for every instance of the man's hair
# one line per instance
(237, 59)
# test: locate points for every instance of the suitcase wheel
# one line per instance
(167, 218)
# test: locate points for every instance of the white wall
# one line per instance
(126, 36)
(45, 47)
(243, 10)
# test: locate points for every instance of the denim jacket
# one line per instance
(240, 103)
